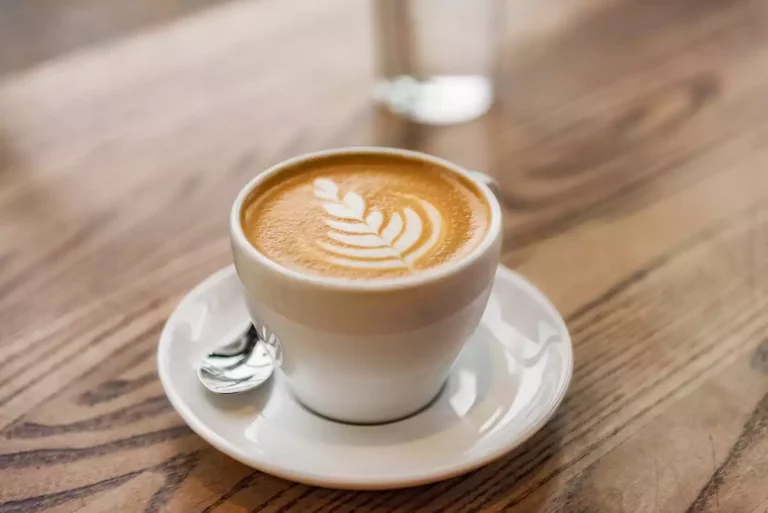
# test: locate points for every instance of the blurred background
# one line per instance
(130, 126)
(128, 106)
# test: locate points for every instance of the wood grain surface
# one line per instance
(631, 142)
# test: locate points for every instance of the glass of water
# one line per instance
(437, 58)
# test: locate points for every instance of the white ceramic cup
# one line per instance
(368, 351)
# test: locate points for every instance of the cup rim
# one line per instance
(434, 274)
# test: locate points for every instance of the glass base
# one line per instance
(438, 100)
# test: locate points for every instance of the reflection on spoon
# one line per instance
(242, 364)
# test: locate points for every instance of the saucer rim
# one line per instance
(370, 483)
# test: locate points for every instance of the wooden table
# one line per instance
(631, 141)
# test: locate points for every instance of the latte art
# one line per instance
(368, 240)
(365, 216)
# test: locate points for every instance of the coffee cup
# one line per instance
(379, 348)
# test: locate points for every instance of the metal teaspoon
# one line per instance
(242, 364)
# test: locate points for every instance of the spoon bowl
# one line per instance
(242, 364)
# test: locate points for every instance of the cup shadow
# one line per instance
(468, 385)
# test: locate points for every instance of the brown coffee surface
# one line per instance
(362, 216)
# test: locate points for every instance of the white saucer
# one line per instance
(506, 384)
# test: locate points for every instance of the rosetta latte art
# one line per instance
(361, 237)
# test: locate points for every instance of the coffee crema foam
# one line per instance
(365, 216)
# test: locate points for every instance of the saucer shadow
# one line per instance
(519, 479)
(509, 482)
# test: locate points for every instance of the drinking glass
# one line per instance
(437, 58)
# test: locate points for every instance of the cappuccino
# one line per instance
(365, 216)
